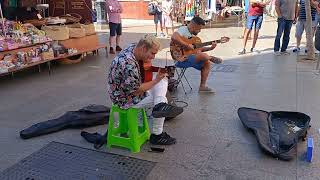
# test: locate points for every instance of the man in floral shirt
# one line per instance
(126, 88)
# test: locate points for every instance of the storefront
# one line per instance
(135, 9)
(132, 9)
(100, 8)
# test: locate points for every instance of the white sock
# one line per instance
(157, 125)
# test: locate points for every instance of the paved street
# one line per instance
(212, 142)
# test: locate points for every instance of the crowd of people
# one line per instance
(163, 16)
(288, 12)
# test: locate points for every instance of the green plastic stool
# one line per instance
(128, 125)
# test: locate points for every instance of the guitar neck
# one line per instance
(206, 43)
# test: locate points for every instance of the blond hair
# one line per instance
(149, 41)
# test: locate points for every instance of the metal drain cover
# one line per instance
(224, 68)
(59, 161)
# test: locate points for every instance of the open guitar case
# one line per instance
(277, 132)
(92, 115)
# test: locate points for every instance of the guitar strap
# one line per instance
(141, 68)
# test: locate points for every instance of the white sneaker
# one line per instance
(162, 35)
(296, 49)
(243, 51)
(285, 53)
(254, 50)
(277, 53)
(315, 51)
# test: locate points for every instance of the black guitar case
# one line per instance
(92, 115)
(277, 132)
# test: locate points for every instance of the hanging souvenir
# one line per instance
(190, 10)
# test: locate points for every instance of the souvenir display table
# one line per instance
(23, 45)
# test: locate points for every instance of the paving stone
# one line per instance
(231, 158)
(212, 143)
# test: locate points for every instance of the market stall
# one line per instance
(41, 39)
(209, 10)
(21, 46)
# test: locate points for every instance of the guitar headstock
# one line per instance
(224, 39)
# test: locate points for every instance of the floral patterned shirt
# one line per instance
(124, 79)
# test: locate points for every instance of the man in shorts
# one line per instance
(167, 8)
(199, 60)
(246, 5)
(301, 24)
(158, 17)
(114, 10)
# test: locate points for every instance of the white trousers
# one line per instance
(156, 95)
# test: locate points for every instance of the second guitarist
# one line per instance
(199, 60)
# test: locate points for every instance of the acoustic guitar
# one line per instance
(179, 53)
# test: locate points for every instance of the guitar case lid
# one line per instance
(317, 39)
(277, 132)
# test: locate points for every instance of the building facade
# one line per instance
(135, 9)
(132, 9)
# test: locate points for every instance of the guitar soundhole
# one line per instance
(177, 55)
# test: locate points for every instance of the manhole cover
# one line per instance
(224, 68)
(59, 161)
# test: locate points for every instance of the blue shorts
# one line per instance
(254, 20)
(190, 62)
(115, 28)
(157, 18)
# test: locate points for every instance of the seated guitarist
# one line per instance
(126, 88)
(199, 60)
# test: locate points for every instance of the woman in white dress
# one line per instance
(167, 9)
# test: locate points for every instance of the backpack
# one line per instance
(152, 9)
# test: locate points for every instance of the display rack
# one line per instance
(82, 45)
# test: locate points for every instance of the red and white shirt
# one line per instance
(114, 9)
